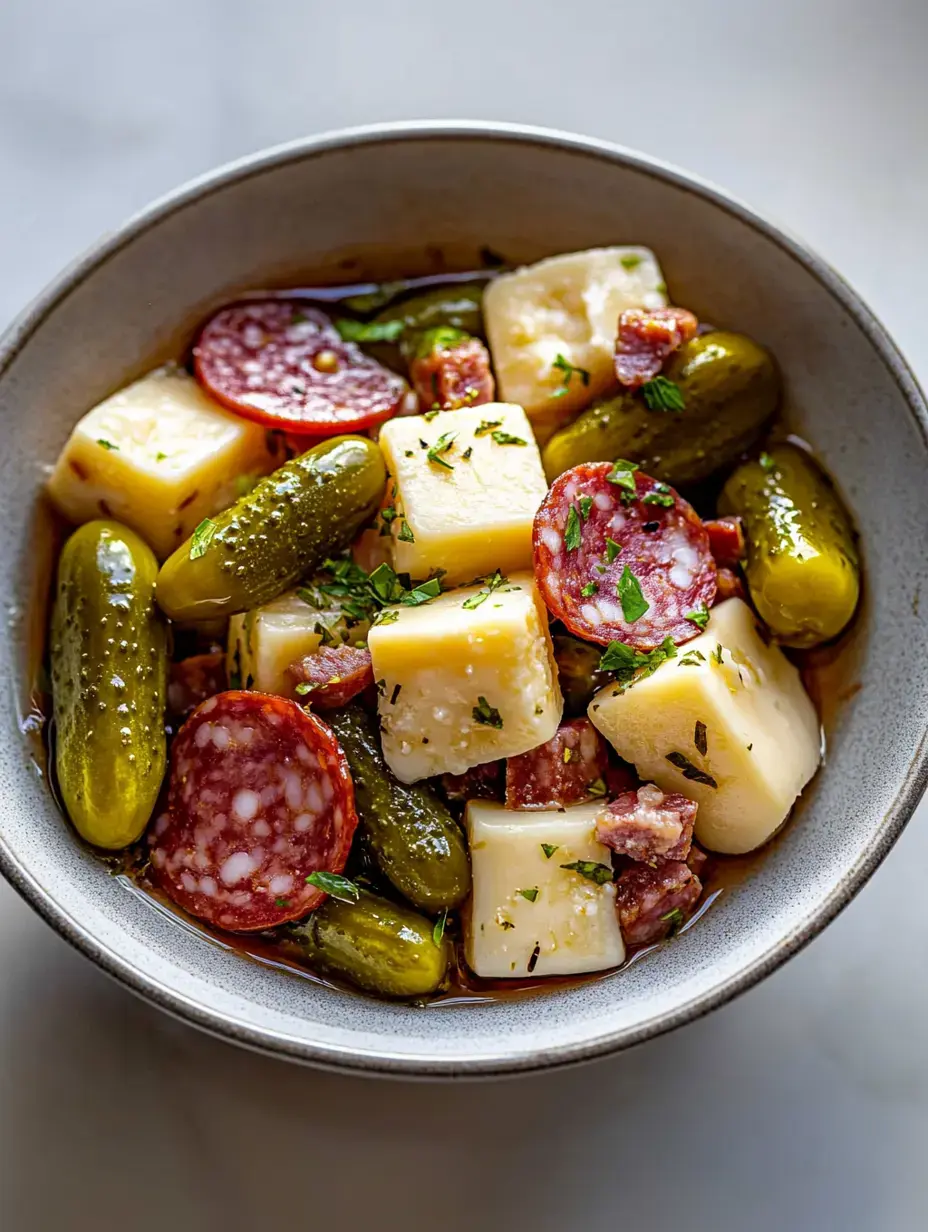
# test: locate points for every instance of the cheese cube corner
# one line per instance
(469, 508)
(464, 680)
(159, 456)
(528, 915)
(727, 723)
(565, 306)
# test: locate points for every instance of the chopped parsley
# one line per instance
(201, 538)
(506, 438)
(107, 445)
(589, 590)
(692, 658)
(281, 902)
(585, 504)
(623, 476)
(335, 884)
(369, 331)
(159, 456)
(689, 771)
(405, 534)
(486, 714)
(657, 497)
(662, 394)
(549, 849)
(612, 550)
(536, 953)
(487, 425)
(441, 446)
(568, 369)
(766, 462)
(506, 924)
(630, 261)
(634, 604)
(568, 754)
(699, 617)
(572, 531)
(630, 665)
(438, 931)
(422, 593)
(467, 452)
(600, 874)
(303, 688)
(597, 787)
(675, 919)
(700, 739)
(530, 894)
(386, 617)
(491, 584)
(717, 653)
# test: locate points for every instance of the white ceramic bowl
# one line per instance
(409, 198)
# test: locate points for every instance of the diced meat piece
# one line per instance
(653, 902)
(621, 557)
(330, 677)
(646, 337)
(726, 541)
(455, 372)
(697, 860)
(730, 586)
(484, 782)
(569, 768)
(193, 680)
(647, 825)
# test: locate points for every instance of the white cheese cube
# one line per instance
(568, 306)
(476, 516)
(749, 711)
(159, 456)
(528, 915)
(462, 685)
(264, 642)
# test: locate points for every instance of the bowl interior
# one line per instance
(415, 202)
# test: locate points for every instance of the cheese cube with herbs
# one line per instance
(725, 722)
(530, 915)
(465, 489)
(159, 456)
(552, 326)
(467, 678)
(264, 642)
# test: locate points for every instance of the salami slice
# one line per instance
(260, 798)
(726, 541)
(283, 363)
(453, 375)
(647, 825)
(333, 675)
(566, 770)
(653, 902)
(621, 557)
(646, 337)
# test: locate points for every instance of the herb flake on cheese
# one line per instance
(486, 714)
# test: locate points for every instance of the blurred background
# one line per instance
(802, 1106)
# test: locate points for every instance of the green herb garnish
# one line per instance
(612, 550)
(486, 714)
(634, 604)
(664, 499)
(405, 535)
(601, 874)
(549, 849)
(568, 369)
(597, 788)
(506, 438)
(662, 394)
(630, 665)
(107, 445)
(700, 738)
(201, 538)
(159, 456)
(585, 504)
(699, 616)
(491, 584)
(689, 771)
(422, 593)
(589, 590)
(572, 531)
(487, 425)
(630, 261)
(439, 930)
(692, 658)
(335, 884)
(441, 446)
(766, 462)
(623, 476)
(369, 331)
(530, 894)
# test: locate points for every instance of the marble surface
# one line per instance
(805, 1104)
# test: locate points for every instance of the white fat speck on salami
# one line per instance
(260, 797)
(579, 574)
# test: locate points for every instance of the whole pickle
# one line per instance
(458, 306)
(730, 388)
(285, 526)
(109, 681)
(382, 947)
(418, 845)
(802, 565)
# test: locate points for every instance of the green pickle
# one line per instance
(802, 568)
(458, 306)
(415, 840)
(384, 948)
(109, 681)
(287, 524)
(730, 386)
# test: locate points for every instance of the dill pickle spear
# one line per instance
(286, 525)
(109, 680)
(384, 948)
(417, 844)
(730, 387)
(802, 565)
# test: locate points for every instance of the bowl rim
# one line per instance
(381, 1061)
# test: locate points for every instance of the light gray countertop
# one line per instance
(804, 1105)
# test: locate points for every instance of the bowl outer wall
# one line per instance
(305, 211)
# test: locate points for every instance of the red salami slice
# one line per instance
(333, 675)
(647, 825)
(646, 337)
(653, 902)
(566, 770)
(453, 375)
(621, 557)
(726, 541)
(283, 363)
(260, 797)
